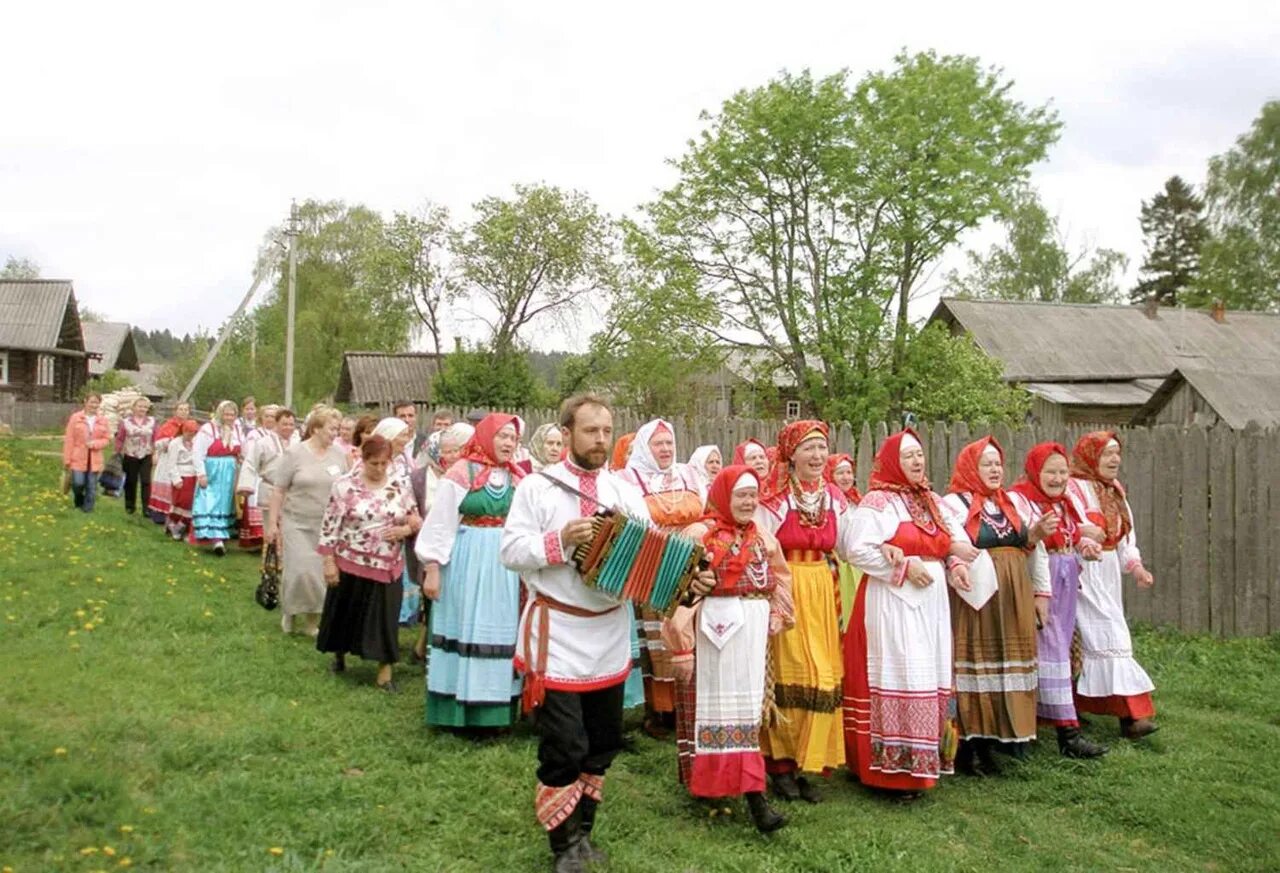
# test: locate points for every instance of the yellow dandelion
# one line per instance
(60, 751)
(126, 829)
(72, 632)
(109, 851)
(208, 614)
(89, 850)
(80, 613)
(88, 625)
(275, 850)
(149, 810)
(126, 862)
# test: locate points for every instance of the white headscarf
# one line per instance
(698, 461)
(641, 458)
(390, 428)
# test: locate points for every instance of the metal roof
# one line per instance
(32, 312)
(384, 377)
(1056, 342)
(1238, 397)
(1131, 393)
(114, 341)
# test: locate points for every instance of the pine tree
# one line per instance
(1175, 228)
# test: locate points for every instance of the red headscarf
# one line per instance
(1068, 533)
(621, 449)
(855, 496)
(740, 453)
(965, 479)
(479, 449)
(724, 530)
(887, 475)
(1084, 465)
(789, 439)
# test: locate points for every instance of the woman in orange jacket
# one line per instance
(88, 433)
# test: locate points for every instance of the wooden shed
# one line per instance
(378, 379)
(42, 353)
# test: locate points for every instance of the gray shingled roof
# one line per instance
(1128, 393)
(1054, 342)
(1237, 397)
(382, 377)
(31, 312)
(114, 341)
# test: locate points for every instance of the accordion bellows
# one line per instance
(633, 560)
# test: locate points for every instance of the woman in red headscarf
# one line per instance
(1111, 681)
(1045, 486)
(897, 651)
(994, 631)
(840, 473)
(808, 517)
(755, 455)
(723, 640)
(471, 683)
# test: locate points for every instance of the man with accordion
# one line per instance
(574, 642)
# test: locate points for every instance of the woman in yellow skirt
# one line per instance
(807, 516)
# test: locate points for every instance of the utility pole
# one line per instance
(292, 233)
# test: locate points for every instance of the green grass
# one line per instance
(186, 733)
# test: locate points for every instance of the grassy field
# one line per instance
(153, 716)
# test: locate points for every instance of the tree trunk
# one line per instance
(900, 330)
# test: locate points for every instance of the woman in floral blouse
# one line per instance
(369, 515)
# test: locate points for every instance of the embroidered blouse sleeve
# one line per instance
(173, 451)
(199, 448)
(871, 525)
(953, 515)
(1038, 559)
(1127, 548)
(435, 540)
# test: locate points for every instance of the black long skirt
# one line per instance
(361, 618)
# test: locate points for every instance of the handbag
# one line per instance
(268, 593)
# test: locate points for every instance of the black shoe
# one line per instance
(587, 807)
(985, 750)
(763, 816)
(566, 840)
(967, 759)
(339, 664)
(390, 686)
(219, 549)
(786, 787)
(1072, 744)
(808, 791)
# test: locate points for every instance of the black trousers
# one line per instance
(137, 471)
(581, 733)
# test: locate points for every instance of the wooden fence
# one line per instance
(1206, 503)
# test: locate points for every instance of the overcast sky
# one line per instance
(145, 148)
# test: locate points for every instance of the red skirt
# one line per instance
(1133, 706)
(183, 495)
(250, 521)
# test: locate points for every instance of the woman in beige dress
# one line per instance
(303, 479)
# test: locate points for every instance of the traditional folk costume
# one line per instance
(160, 503)
(675, 497)
(634, 692)
(849, 576)
(248, 487)
(538, 457)
(809, 524)
(1111, 681)
(995, 643)
(726, 637)
(215, 454)
(574, 645)
(898, 730)
(471, 683)
(1054, 703)
(135, 442)
(698, 464)
(360, 612)
(180, 464)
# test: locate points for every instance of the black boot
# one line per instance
(1136, 729)
(763, 816)
(1072, 744)
(967, 759)
(592, 855)
(785, 786)
(808, 791)
(985, 750)
(566, 840)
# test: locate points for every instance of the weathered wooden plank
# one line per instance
(1251, 513)
(1272, 442)
(844, 439)
(865, 455)
(1222, 553)
(1137, 473)
(1193, 533)
(882, 434)
(1164, 559)
(939, 454)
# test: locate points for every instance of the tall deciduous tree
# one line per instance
(809, 210)
(19, 268)
(1034, 263)
(1175, 229)
(536, 255)
(413, 259)
(1240, 262)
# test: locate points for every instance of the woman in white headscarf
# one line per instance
(707, 462)
(546, 446)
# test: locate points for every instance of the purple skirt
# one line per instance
(1054, 702)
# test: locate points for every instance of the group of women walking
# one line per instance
(900, 633)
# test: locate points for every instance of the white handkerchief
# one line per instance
(721, 618)
(912, 594)
(982, 581)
